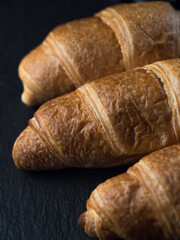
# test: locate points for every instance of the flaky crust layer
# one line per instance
(143, 203)
(112, 121)
(147, 32)
(118, 38)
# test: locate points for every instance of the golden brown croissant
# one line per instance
(142, 204)
(111, 121)
(118, 38)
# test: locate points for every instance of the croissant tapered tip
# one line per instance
(25, 150)
(28, 97)
(87, 220)
(15, 157)
(31, 153)
(82, 220)
(30, 73)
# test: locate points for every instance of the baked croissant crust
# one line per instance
(116, 39)
(143, 203)
(111, 121)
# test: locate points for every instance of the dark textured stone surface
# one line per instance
(37, 205)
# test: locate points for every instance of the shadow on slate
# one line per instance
(38, 205)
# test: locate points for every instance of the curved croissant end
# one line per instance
(118, 38)
(28, 97)
(30, 153)
(43, 76)
(94, 226)
(142, 203)
(91, 223)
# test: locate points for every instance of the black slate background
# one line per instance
(38, 205)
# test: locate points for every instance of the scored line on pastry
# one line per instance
(102, 117)
(66, 61)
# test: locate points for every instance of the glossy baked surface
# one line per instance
(109, 122)
(120, 37)
(37, 205)
(142, 203)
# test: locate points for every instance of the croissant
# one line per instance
(116, 39)
(108, 122)
(143, 203)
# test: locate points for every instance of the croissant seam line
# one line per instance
(174, 97)
(68, 66)
(103, 125)
(113, 23)
(97, 198)
(145, 173)
(144, 185)
(98, 15)
(52, 149)
(33, 128)
(161, 75)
